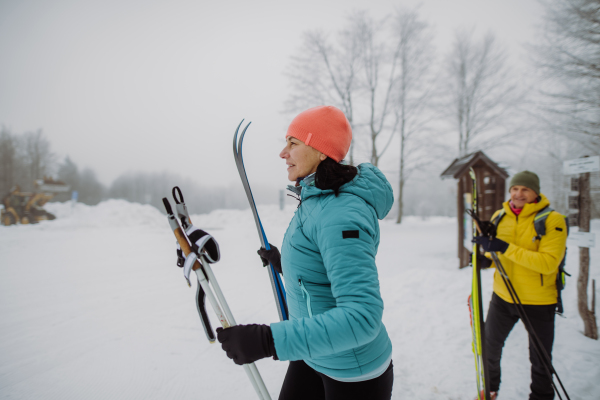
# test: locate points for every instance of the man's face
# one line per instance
(521, 195)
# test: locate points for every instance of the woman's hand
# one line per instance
(245, 344)
(271, 256)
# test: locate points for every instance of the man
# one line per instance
(531, 263)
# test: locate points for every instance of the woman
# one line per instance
(336, 343)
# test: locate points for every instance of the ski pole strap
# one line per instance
(203, 241)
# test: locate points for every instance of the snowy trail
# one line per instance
(92, 306)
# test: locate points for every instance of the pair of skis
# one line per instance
(276, 282)
(197, 260)
(476, 310)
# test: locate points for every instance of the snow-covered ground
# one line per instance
(92, 306)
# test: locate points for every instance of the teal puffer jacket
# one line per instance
(328, 262)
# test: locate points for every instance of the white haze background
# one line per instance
(154, 86)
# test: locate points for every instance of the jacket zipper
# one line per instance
(306, 295)
(542, 278)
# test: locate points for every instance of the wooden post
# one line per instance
(461, 211)
(588, 316)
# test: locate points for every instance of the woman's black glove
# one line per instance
(245, 344)
(490, 245)
(271, 256)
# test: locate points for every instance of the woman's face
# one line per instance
(302, 160)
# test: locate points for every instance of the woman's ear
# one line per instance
(322, 156)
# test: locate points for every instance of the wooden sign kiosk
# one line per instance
(491, 193)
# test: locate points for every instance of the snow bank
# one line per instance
(107, 214)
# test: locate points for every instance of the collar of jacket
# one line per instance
(302, 182)
(370, 184)
(528, 209)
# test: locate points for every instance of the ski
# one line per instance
(476, 310)
(276, 282)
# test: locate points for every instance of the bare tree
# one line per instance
(356, 73)
(324, 72)
(481, 91)
(569, 56)
(413, 90)
(8, 160)
(380, 58)
(37, 156)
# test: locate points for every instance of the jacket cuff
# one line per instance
(271, 344)
(278, 334)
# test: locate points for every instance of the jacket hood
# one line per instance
(369, 184)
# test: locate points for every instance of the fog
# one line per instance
(126, 87)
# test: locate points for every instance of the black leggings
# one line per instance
(501, 318)
(302, 382)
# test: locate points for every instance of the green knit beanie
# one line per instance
(527, 179)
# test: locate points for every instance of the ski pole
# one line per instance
(193, 264)
(538, 347)
(229, 315)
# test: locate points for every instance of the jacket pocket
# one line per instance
(306, 295)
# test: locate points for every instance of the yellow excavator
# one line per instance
(27, 207)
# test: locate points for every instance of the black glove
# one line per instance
(271, 256)
(482, 261)
(489, 245)
(487, 228)
(245, 344)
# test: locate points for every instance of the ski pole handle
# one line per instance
(179, 234)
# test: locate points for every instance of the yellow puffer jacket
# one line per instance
(530, 264)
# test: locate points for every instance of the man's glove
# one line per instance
(271, 256)
(482, 261)
(491, 245)
(487, 228)
(245, 344)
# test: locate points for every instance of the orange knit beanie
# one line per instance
(324, 128)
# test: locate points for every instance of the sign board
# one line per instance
(581, 165)
(573, 202)
(583, 239)
(574, 184)
(573, 220)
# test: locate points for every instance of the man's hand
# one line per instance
(482, 261)
(489, 245)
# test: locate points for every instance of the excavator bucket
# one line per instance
(27, 207)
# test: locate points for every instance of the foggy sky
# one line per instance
(161, 85)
